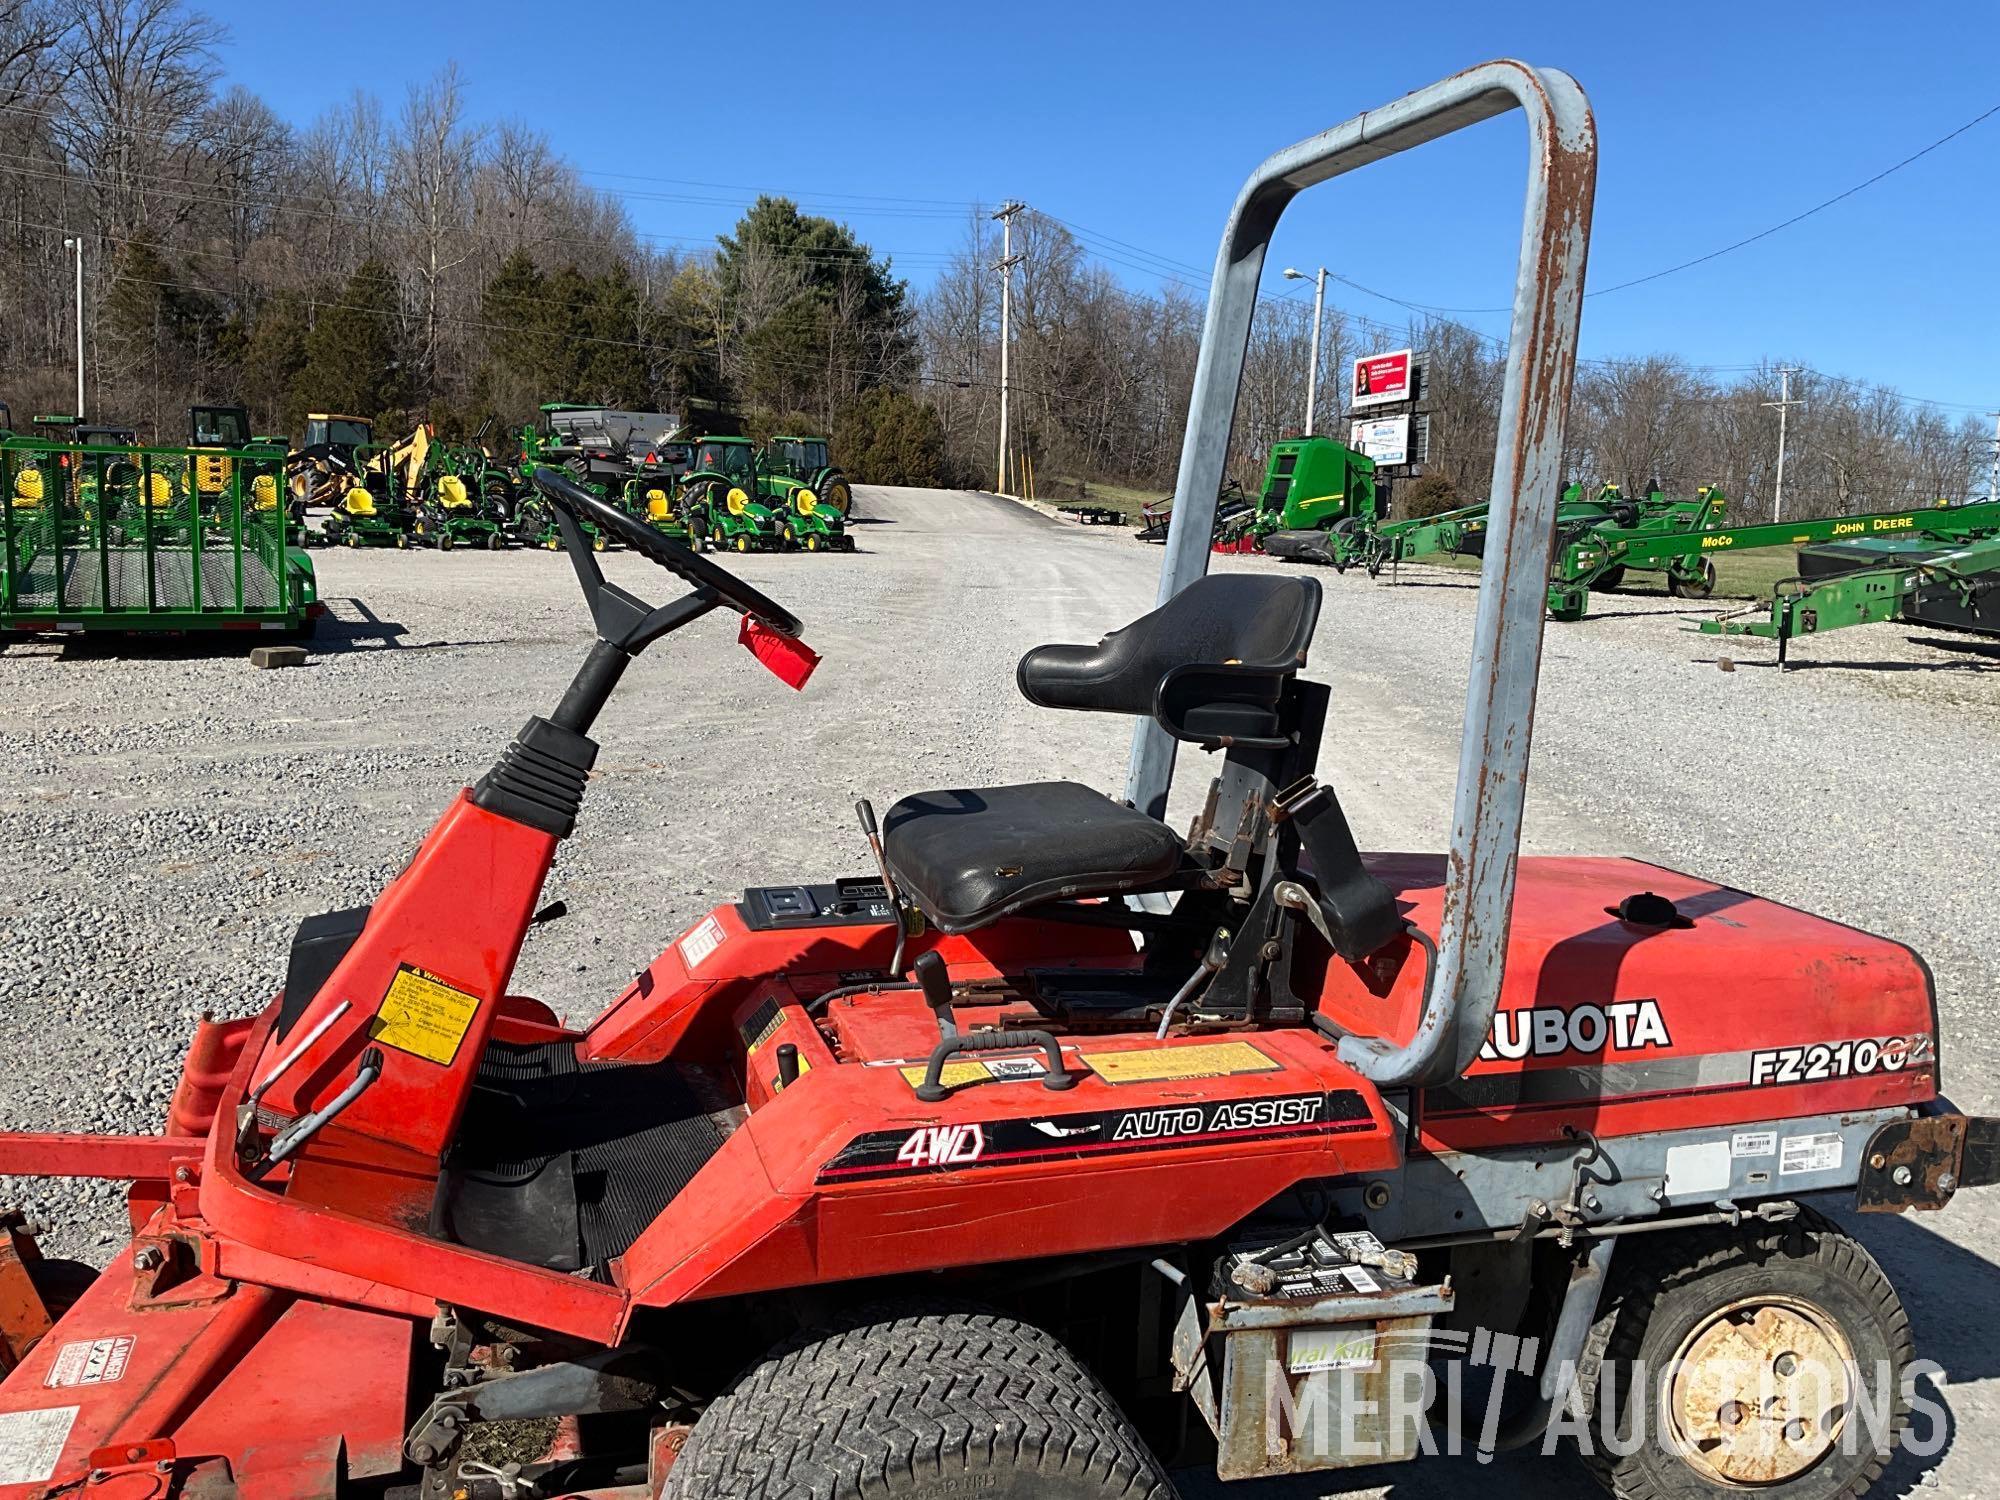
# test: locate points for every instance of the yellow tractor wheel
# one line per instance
(812, 544)
(743, 544)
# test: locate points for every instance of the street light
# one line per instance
(1312, 363)
(76, 243)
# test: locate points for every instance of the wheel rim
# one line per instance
(1760, 1390)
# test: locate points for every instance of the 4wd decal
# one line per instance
(1110, 1132)
(1823, 1060)
(1551, 1030)
(943, 1146)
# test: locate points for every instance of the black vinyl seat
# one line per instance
(1212, 665)
(972, 856)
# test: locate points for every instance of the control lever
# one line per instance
(936, 985)
(865, 811)
(306, 1127)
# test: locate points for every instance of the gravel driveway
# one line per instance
(167, 816)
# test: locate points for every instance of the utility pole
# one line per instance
(1784, 404)
(1005, 215)
(76, 244)
(1312, 360)
(1993, 483)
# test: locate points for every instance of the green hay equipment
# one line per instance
(100, 536)
(1311, 486)
(1600, 556)
(1949, 578)
(720, 502)
(787, 463)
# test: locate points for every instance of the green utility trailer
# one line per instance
(787, 463)
(720, 498)
(100, 538)
(1311, 485)
(1688, 554)
(1954, 585)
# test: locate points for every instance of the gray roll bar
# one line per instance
(1527, 459)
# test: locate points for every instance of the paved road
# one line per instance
(165, 820)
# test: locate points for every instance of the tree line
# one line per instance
(414, 262)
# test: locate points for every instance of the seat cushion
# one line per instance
(970, 856)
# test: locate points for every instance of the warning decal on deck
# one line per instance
(423, 1016)
(31, 1443)
(1172, 1064)
(981, 1070)
(91, 1361)
(703, 939)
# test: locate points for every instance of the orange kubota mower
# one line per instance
(1064, 1148)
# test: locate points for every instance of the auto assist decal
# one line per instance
(1108, 1132)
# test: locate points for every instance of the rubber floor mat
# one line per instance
(562, 1164)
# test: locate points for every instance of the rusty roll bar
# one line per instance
(1507, 637)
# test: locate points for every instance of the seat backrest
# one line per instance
(1211, 664)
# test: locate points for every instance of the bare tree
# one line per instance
(135, 108)
(430, 185)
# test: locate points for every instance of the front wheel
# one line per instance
(918, 1404)
(1773, 1361)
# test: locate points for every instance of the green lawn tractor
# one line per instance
(720, 498)
(655, 492)
(790, 462)
(378, 507)
(534, 519)
(454, 512)
(463, 499)
(1311, 485)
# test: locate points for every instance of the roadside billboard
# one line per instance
(1379, 379)
(1384, 439)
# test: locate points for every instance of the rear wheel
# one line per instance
(1699, 585)
(1609, 579)
(917, 1404)
(1758, 1359)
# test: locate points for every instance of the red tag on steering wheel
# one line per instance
(790, 661)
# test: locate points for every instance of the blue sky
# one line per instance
(1138, 123)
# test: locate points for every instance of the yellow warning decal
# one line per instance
(975, 1070)
(423, 1016)
(1171, 1064)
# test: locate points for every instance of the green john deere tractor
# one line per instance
(804, 461)
(720, 499)
(378, 504)
(811, 497)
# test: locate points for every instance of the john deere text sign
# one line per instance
(1380, 379)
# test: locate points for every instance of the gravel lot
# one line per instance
(168, 815)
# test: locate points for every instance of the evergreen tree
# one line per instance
(354, 350)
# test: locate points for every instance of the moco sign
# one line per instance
(1380, 379)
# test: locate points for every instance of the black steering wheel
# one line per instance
(579, 506)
